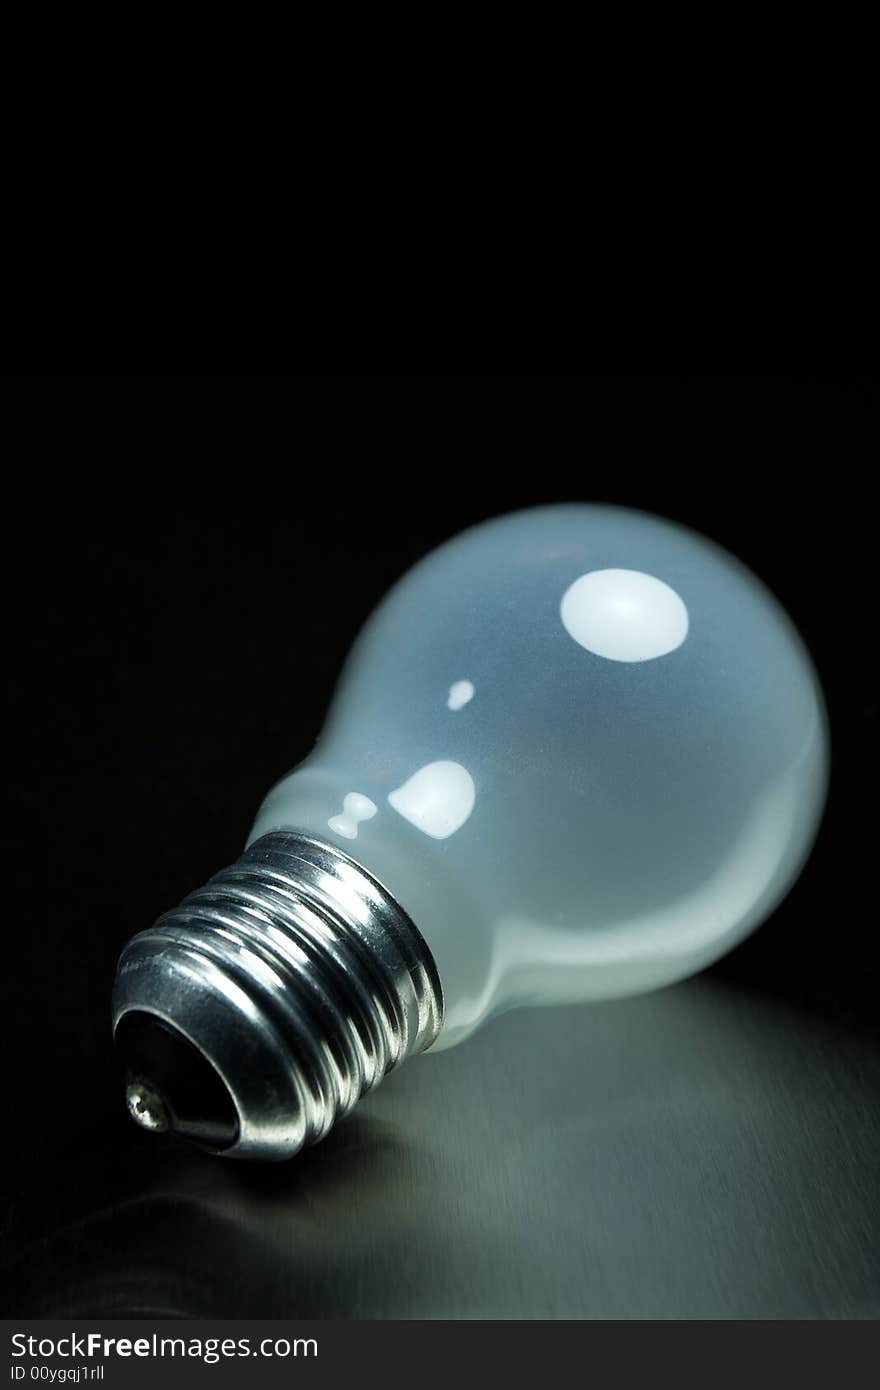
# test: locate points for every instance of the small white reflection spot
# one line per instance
(355, 808)
(459, 694)
(437, 799)
(624, 615)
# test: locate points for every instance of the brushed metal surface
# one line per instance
(700, 1152)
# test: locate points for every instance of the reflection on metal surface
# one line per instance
(687, 1154)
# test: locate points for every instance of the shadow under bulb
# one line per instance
(577, 753)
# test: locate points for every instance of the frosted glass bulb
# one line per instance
(577, 753)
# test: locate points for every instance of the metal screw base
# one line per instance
(298, 977)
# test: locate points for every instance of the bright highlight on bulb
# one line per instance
(460, 693)
(577, 753)
(355, 808)
(624, 615)
(437, 799)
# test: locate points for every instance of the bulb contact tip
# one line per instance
(146, 1107)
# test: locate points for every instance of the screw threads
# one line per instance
(298, 977)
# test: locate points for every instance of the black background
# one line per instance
(189, 560)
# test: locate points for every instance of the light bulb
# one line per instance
(577, 753)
